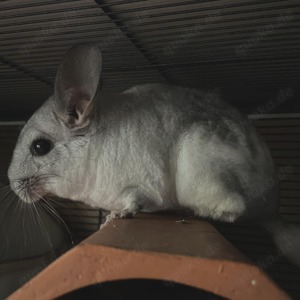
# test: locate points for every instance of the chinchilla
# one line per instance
(153, 147)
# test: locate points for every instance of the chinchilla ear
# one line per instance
(76, 84)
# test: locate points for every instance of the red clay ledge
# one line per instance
(154, 247)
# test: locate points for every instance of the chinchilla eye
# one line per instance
(41, 147)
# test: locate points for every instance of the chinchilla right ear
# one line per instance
(76, 84)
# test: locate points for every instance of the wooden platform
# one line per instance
(168, 248)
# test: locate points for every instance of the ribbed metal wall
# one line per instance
(249, 50)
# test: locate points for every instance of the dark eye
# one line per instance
(41, 147)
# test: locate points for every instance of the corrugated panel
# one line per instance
(248, 49)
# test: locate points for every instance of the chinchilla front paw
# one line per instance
(122, 214)
(134, 201)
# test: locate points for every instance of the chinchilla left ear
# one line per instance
(76, 84)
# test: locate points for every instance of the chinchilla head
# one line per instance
(53, 145)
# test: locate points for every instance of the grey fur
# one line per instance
(152, 147)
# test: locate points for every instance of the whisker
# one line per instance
(4, 196)
(19, 205)
(6, 193)
(56, 202)
(35, 217)
(22, 207)
(48, 182)
(5, 187)
(29, 207)
(52, 211)
(11, 203)
(45, 165)
(20, 190)
(41, 176)
(44, 178)
(41, 222)
(65, 206)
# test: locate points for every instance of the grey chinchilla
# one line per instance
(153, 147)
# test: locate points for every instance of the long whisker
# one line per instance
(10, 203)
(45, 165)
(56, 202)
(20, 190)
(5, 187)
(22, 205)
(6, 193)
(44, 176)
(52, 210)
(41, 223)
(33, 216)
(64, 206)
(19, 205)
